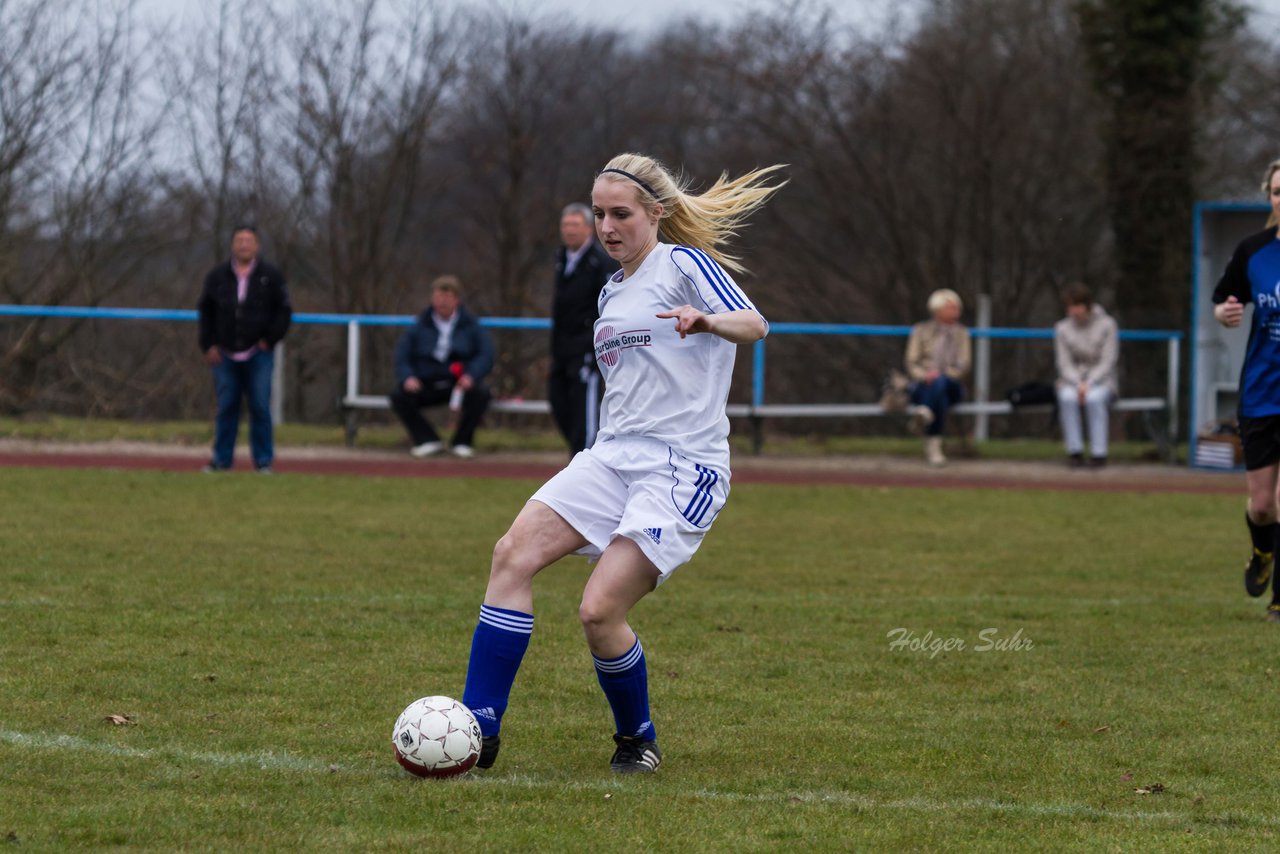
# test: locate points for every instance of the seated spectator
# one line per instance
(938, 354)
(1086, 346)
(444, 358)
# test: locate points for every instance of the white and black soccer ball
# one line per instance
(436, 737)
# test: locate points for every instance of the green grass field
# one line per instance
(263, 634)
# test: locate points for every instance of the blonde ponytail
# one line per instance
(706, 221)
(1266, 188)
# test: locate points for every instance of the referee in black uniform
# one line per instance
(574, 387)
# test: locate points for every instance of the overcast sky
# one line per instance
(638, 15)
(651, 14)
(869, 13)
(646, 15)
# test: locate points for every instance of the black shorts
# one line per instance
(1261, 440)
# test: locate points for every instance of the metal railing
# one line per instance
(981, 407)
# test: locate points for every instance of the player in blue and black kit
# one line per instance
(1253, 275)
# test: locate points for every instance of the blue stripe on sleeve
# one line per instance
(710, 278)
(729, 287)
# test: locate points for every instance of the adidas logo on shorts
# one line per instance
(654, 534)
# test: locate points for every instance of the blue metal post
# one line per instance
(757, 373)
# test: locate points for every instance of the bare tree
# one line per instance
(76, 224)
(1241, 123)
(365, 96)
(962, 156)
(528, 140)
(525, 140)
(222, 78)
(381, 142)
(41, 66)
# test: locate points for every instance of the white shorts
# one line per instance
(643, 490)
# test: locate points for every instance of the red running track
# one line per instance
(806, 472)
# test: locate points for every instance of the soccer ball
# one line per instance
(436, 737)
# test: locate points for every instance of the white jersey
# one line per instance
(658, 385)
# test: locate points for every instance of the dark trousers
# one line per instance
(233, 381)
(939, 395)
(574, 389)
(408, 408)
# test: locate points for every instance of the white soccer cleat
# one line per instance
(427, 449)
(465, 452)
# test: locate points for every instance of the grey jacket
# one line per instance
(1087, 352)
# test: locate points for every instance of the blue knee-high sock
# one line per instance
(497, 647)
(626, 685)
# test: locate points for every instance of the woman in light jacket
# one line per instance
(938, 357)
(1086, 346)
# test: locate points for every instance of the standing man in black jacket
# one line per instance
(244, 313)
(574, 386)
(444, 357)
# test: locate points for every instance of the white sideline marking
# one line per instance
(285, 762)
(233, 601)
(221, 760)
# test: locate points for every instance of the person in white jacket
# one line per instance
(1086, 347)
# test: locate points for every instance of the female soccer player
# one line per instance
(1251, 276)
(641, 499)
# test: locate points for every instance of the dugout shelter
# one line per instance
(1217, 354)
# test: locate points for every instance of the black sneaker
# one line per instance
(1258, 573)
(489, 745)
(1097, 462)
(635, 756)
(1273, 612)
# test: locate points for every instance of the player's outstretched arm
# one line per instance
(739, 327)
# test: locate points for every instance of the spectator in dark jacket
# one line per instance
(244, 312)
(443, 358)
(574, 385)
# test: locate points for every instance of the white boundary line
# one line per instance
(285, 762)
(271, 761)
